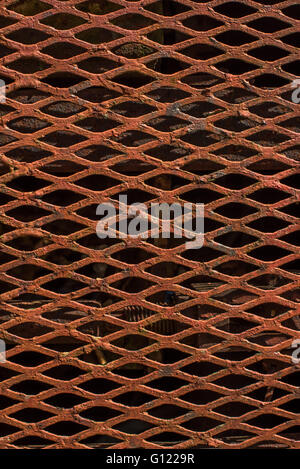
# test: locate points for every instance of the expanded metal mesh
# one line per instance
(124, 343)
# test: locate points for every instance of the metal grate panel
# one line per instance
(126, 343)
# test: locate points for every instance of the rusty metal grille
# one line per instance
(126, 343)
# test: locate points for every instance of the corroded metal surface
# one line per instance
(136, 343)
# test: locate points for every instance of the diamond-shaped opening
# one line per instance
(27, 124)
(167, 269)
(99, 328)
(97, 94)
(133, 285)
(28, 272)
(166, 94)
(293, 69)
(291, 433)
(5, 21)
(167, 37)
(62, 79)
(32, 441)
(103, 440)
(31, 415)
(201, 23)
(29, 7)
(132, 109)
(292, 11)
(201, 109)
(133, 342)
(235, 436)
(235, 268)
(167, 123)
(171, 8)
(63, 344)
(201, 138)
(205, 254)
(268, 253)
(269, 109)
(234, 95)
(6, 429)
(133, 79)
(268, 338)
(268, 310)
(202, 166)
(166, 327)
(27, 184)
(268, 24)
(97, 153)
(291, 39)
(133, 398)
(133, 370)
(27, 35)
(97, 35)
(132, 167)
(291, 124)
(99, 385)
(291, 406)
(235, 325)
(235, 66)
(235, 239)
(98, 7)
(292, 267)
(292, 238)
(99, 414)
(134, 138)
(167, 439)
(167, 412)
(235, 381)
(63, 21)
(133, 50)
(4, 51)
(267, 421)
(268, 281)
(201, 368)
(132, 21)
(234, 210)
(63, 285)
(62, 198)
(63, 372)
(30, 387)
(27, 243)
(201, 424)
(27, 213)
(97, 270)
(234, 181)
(201, 80)
(167, 65)
(92, 124)
(27, 154)
(200, 396)
(97, 182)
(201, 340)
(28, 65)
(268, 53)
(6, 402)
(132, 255)
(292, 209)
(234, 9)
(65, 428)
(263, 394)
(204, 196)
(62, 109)
(30, 359)
(62, 139)
(167, 355)
(62, 50)
(201, 283)
(65, 400)
(268, 196)
(235, 152)
(235, 297)
(168, 152)
(268, 81)
(133, 426)
(234, 409)
(235, 123)
(167, 384)
(235, 37)
(268, 224)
